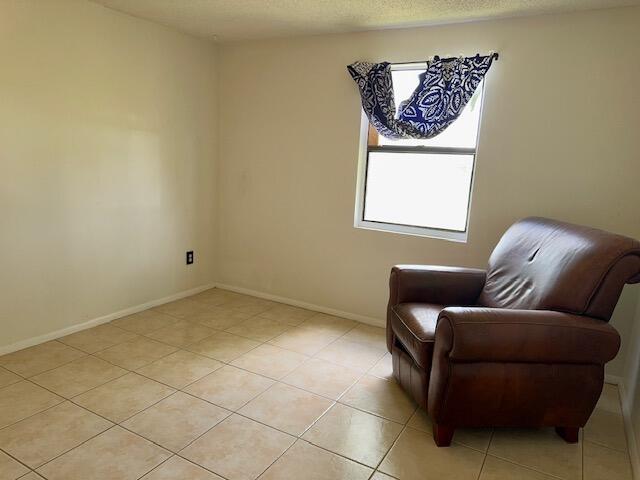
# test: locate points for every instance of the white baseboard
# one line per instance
(376, 322)
(632, 443)
(30, 342)
(612, 379)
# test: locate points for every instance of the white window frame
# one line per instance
(363, 154)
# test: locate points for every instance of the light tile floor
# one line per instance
(227, 386)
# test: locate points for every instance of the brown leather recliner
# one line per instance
(522, 344)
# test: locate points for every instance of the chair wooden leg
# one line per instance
(442, 435)
(569, 434)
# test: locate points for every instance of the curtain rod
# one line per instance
(437, 57)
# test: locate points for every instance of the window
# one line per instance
(419, 187)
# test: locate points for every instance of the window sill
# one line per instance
(458, 237)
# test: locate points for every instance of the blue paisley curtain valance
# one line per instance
(442, 93)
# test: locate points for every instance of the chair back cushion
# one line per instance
(543, 264)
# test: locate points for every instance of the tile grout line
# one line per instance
(119, 424)
(299, 438)
(175, 390)
(181, 458)
(71, 399)
(185, 347)
(237, 412)
(526, 467)
(362, 374)
(275, 381)
(232, 413)
(16, 459)
(486, 454)
(395, 441)
(84, 354)
(113, 423)
(156, 467)
(278, 458)
(606, 446)
(39, 411)
(405, 425)
(75, 447)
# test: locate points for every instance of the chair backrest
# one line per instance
(543, 264)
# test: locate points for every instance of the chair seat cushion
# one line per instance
(414, 326)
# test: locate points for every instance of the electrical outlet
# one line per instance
(189, 257)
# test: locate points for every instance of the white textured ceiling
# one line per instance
(229, 20)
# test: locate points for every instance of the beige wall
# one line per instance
(109, 171)
(559, 138)
(107, 158)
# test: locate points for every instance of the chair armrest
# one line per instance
(477, 334)
(435, 284)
